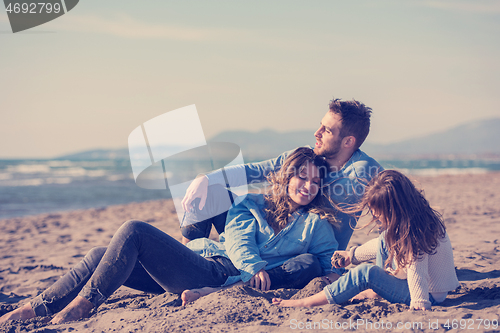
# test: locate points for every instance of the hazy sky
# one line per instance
(88, 78)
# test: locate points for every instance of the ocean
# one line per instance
(30, 186)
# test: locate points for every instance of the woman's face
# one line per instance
(304, 187)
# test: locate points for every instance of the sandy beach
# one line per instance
(36, 250)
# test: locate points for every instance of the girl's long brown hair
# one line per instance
(413, 227)
(278, 202)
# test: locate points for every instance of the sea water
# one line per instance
(30, 186)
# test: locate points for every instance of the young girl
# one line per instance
(414, 258)
(293, 248)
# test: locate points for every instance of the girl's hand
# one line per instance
(341, 259)
(417, 308)
(260, 281)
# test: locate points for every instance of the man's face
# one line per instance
(328, 140)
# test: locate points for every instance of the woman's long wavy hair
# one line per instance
(278, 202)
(413, 227)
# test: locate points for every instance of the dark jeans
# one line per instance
(296, 272)
(143, 257)
(139, 256)
(198, 223)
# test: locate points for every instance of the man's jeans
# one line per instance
(198, 223)
(143, 257)
(367, 276)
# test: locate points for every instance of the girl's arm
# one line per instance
(314, 300)
(418, 283)
(365, 252)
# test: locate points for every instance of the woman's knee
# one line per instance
(94, 256)
(97, 251)
(132, 226)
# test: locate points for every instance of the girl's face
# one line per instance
(304, 187)
(379, 220)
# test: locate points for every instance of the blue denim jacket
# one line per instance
(250, 243)
(346, 185)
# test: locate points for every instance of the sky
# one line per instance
(87, 79)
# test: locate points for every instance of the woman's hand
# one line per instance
(260, 281)
(341, 259)
(197, 189)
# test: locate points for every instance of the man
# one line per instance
(342, 131)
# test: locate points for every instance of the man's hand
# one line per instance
(260, 281)
(341, 259)
(197, 189)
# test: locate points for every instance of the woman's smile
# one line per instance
(304, 187)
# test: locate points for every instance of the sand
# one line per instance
(36, 250)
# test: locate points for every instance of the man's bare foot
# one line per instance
(191, 295)
(25, 312)
(368, 293)
(78, 308)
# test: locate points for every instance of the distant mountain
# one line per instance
(266, 143)
(480, 137)
(476, 138)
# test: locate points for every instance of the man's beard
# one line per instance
(331, 152)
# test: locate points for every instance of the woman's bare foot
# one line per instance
(191, 295)
(368, 293)
(25, 312)
(78, 308)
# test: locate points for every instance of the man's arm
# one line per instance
(236, 175)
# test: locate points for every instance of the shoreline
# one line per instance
(417, 174)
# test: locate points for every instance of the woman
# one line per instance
(294, 247)
(413, 248)
(280, 240)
